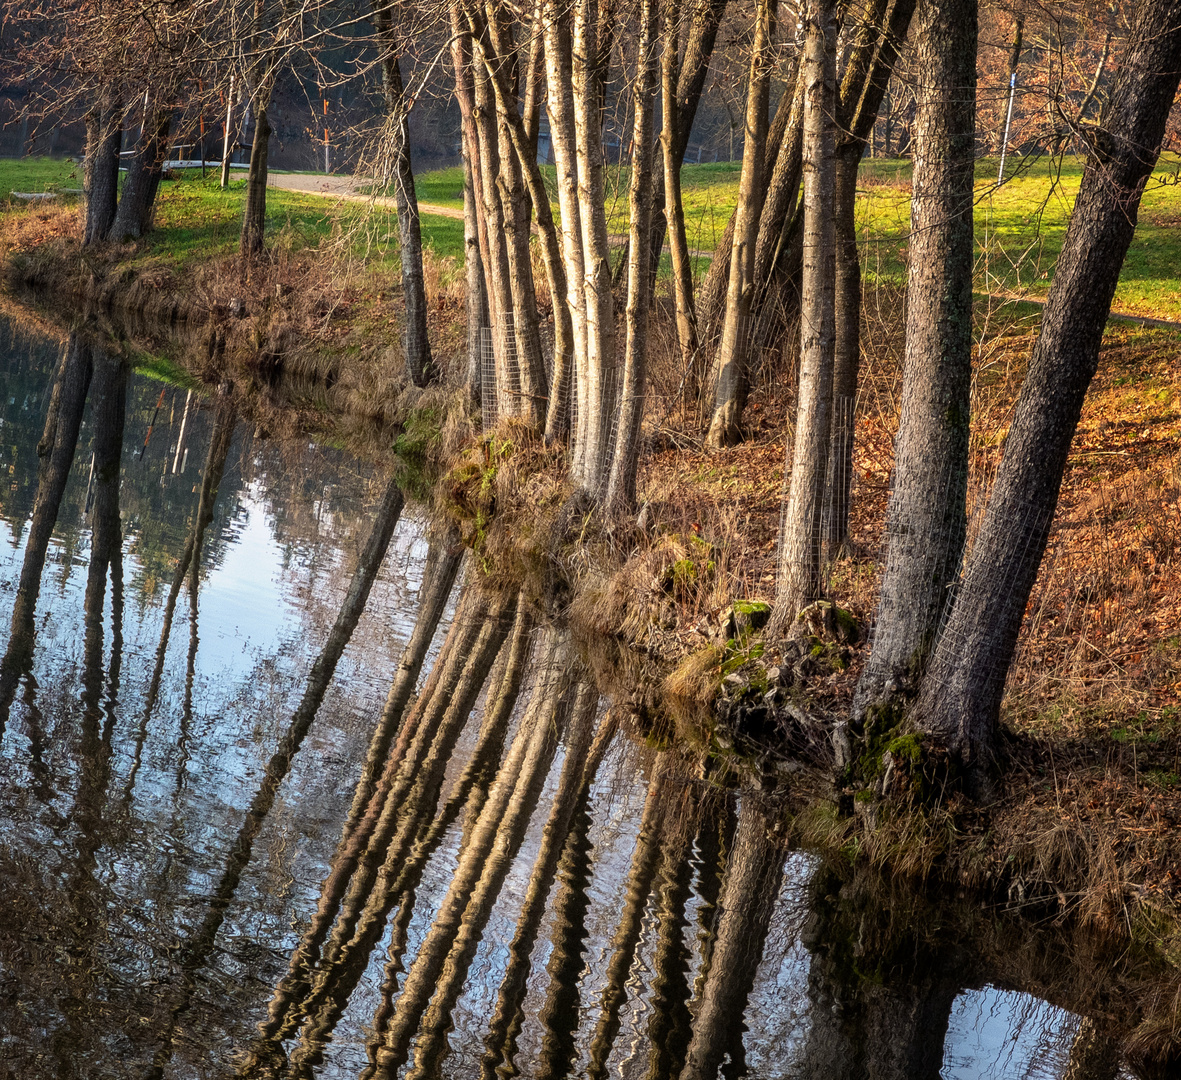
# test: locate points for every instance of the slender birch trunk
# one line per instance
(415, 342)
(674, 211)
(800, 577)
(560, 101)
(732, 363)
(621, 483)
(521, 133)
(475, 240)
(595, 385)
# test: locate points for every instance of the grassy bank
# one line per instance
(1092, 711)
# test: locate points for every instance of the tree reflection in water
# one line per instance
(375, 819)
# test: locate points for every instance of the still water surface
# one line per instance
(152, 899)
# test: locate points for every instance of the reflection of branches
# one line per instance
(187, 567)
(196, 951)
(56, 451)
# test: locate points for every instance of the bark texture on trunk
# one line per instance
(522, 137)
(560, 102)
(672, 155)
(475, 242)
(415, 340)
(961, 694)
(254, 217)
(595, 384)
(621, 484)
(926, 520)
(100, 177)
(731, 367)
(800, 576)
(871, 62)
(134, 216)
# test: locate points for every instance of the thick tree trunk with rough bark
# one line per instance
(961, 694)
(100, 183)
(415, 340)
(733, 359)
(621, 484)
(800, 577)
(138, 200)
(254, 217)
(926, 516)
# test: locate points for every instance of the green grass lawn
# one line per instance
(1020, 226)
(38, 174)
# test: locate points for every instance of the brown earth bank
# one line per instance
(1083, 826)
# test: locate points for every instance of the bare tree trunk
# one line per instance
(674, 211)
(595, 384)
(621, 484)
(961, 694)
(136, 204)
(100, 184)
(475, 243)
(800, 576)
(415, 342)
(926, 520)
(862, 88)
(523, 139)
(496, 266)
(731, 364)
(559, 63)
(254, 217)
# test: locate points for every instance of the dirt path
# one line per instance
(345, 187)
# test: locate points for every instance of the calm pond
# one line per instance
(180, 897)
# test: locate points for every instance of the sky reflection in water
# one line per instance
(116, 826)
